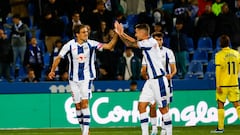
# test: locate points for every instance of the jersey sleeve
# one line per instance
(65, 49)
(171, 57)
(96, 45)
(146, 44)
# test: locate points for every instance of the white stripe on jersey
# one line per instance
(151, 53)
(81, 59)
(167, 57)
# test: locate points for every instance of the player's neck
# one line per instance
(80, 41)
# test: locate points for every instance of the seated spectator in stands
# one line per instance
(61, 72)
(30, 76)
(52, 28)
(6, 56)
(34, 58)
(217, 7)
(178, 43)
(129, 66)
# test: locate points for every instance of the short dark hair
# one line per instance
(157, 34)
(133, 82)
(224, 41)
(143, 26)
(77, 28)
(17, 16)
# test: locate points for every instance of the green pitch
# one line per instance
(200, 130)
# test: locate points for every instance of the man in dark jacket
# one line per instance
(6, 56)
(178, 43)
(129, 66)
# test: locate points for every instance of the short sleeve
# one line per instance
(148, 43)
(65, 49)
(95, 44)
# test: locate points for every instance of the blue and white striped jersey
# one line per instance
(151, 54)
(167, 57)
(81, 59)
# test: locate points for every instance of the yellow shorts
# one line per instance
(230, 93)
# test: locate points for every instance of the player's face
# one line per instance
(140, 34)
(159, 40)
(83, 34)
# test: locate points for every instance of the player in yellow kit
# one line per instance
(227, 68)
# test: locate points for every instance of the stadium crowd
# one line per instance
(32, 33)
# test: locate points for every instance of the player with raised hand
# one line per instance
(81, 55)
(156, 86)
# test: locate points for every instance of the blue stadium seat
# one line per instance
(9, 20)
(205, 43)
(35, 33)
(65, 19)
(200, 56)
(211, 66)
(41, 45)
(209, 76)
(195, 69)
(131, 20)
(190, 45)
(8, 32)
(214, 52)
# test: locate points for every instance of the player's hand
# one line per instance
(118, 28)
(219, 90)
(169, 76)
(51, 75)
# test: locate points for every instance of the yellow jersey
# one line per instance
(227, 67)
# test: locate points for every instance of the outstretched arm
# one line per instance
(128, 41)
(112, 43)
(51, 75)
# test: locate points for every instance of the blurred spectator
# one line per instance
(236, 37)
(133, 86)
(183, 11)
(20, 7)
(52, 29)
(55, 7)
(202, 6)
(151, 5)
(102, 34)
(61, 71)
(34, 58)
(178, 43)
(6, 56)
(18, 40)
(75, 21)
(164, 20)
(217, 7)
(105, 59)
(207, 23)
(227, 23)
(100, 14)
(236, 10)
(129, 66)
(30, 76)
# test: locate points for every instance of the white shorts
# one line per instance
(81, 90)
(156, 90)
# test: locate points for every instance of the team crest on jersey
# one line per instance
(81, 58)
